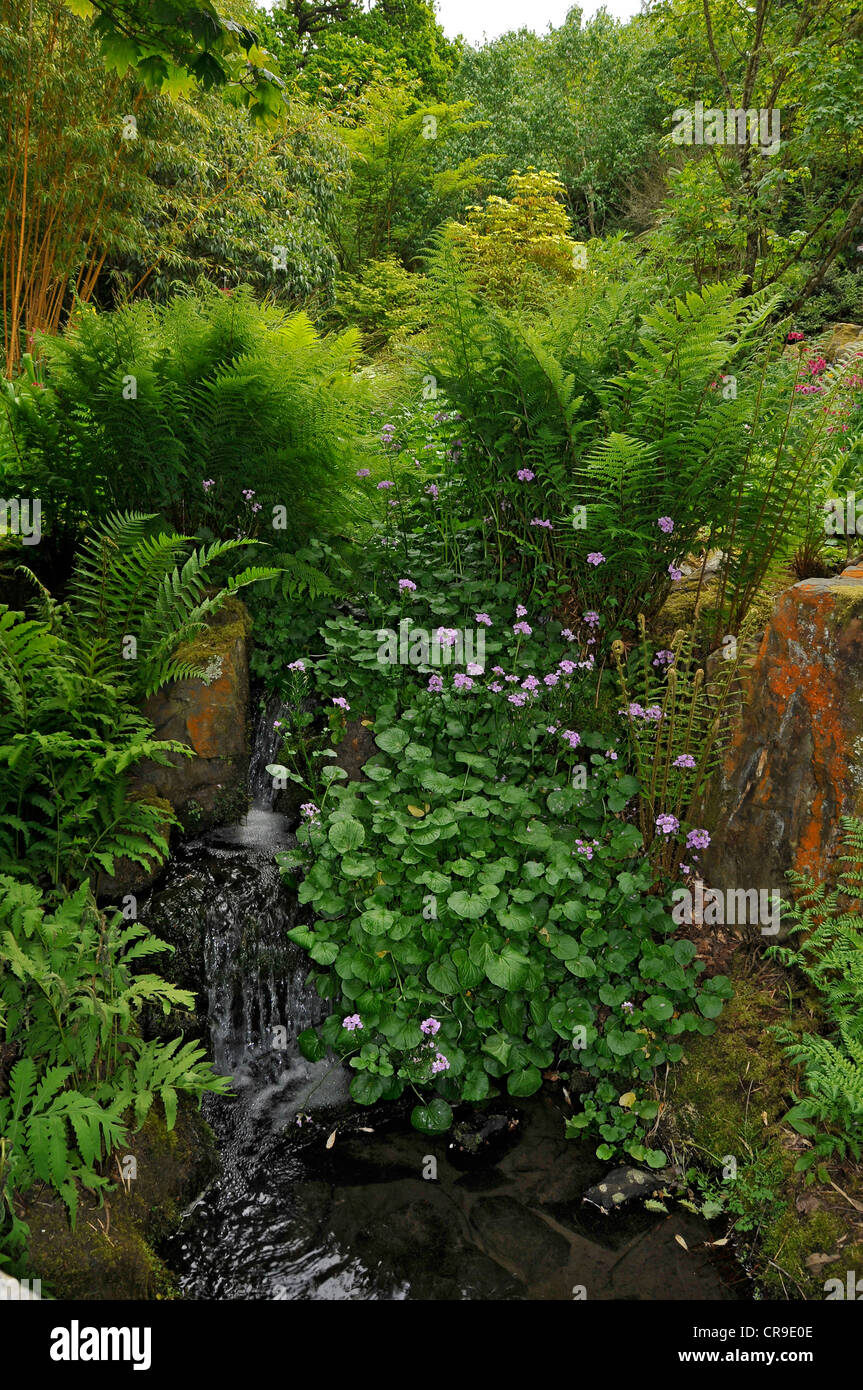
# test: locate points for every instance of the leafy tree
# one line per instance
(800, 206)
(337, 48)
(174, 45)
(403, 180)
(580, 101)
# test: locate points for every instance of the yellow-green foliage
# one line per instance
(515, 246)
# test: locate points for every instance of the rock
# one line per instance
(621, 1186)
(794, 763)
(356, 747)
(211, 716)
(838, 338)
(483, 1137)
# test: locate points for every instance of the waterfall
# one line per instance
(265, 749)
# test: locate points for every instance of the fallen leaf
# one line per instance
(332, 1139)
(416, 810)
(627, 1099)
(681, 1241)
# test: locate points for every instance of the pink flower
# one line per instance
(666, 524)
(596, 557)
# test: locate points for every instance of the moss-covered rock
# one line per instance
(728, 1101)
(113, 1251)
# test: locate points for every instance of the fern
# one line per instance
(830, 955)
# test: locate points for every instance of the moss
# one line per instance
(729, 1098)
(113, 1250)
(230, 624)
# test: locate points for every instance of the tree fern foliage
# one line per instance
(829, 952)
(139, 408)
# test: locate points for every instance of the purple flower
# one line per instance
(435, 685)
(510, 679)
(462, 682)
(495, 687)
(684, 760)
(498, 670)
(538, 521)
(551, 679)
(341, 702)
(407, 584)
(352, 1022)
(474, 668)
(667, 824)
(517, 699)
(447, 636)
(653, 712)
(521, 611)
(483, 618)
(310, 810)
(248, 493)
(439, 1064)
(432, 491)
(666, 524)
(596, 557)
(296, 665)
(530, 683)
(277, 723)
(364, 472)
(586, 848)
(208, 483)
(567, 666)
(697, 839)
(568, 634)
(571, 737)
(430, 1026)
(663, 658)
(591, 619)
(675, 573)
(610, 753)
(630, 1008)
(522, 629)
(385, 483)
(524, 475)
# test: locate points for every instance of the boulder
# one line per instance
(210, 714)
(794, 761)
(838, 338)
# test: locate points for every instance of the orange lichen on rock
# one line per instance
(792, 767)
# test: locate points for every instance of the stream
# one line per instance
(318, 1198)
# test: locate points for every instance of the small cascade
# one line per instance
(265, 750)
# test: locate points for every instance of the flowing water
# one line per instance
(317, 1198)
